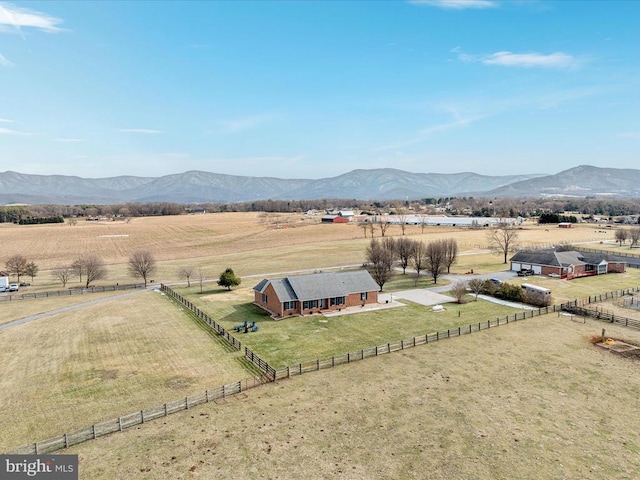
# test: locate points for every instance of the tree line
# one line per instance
(434, 258)
(471, 206)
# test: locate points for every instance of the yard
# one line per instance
(297, 339)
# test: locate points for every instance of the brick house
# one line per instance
(567, 265)
(315, 293)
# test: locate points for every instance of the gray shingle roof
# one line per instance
(560, 259)
(319, 285)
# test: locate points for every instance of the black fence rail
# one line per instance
(219, 329)
(596, 314)
(616, 253)
(71, 291)
(263, 366)
(330, 362)
(132, 419)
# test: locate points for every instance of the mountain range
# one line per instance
(374, 184)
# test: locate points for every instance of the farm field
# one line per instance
(251, 243)
(293, 340)
(528, 400)
(102, 361)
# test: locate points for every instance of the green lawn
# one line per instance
(298, 339)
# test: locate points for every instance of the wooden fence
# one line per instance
(71, 291)
(603, 316)
(136, 418)
(219, 329)
(329, 362)
(617, 254)
(263, 366)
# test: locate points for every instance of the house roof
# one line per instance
(319, 285)
(560, 259)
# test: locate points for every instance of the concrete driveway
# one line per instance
(422, 296)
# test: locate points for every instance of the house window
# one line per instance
(336, 301)
(289, 305)
(264, 298)
(363, 296)
(307, 304)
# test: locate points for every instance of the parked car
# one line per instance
(13, 287)
(24, 284)
(495, 281)
(525, 272)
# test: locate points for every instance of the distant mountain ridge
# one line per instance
(374, 184)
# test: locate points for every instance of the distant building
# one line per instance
(567, 265)
(334, 219)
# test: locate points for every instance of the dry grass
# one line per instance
(251, 243)
(17, 309)
(99, 362)
(530, 400)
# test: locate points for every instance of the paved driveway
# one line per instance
(421, 296)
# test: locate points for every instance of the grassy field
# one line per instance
(99, 362)
(529, 400)
(17, 309)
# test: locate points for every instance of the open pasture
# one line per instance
(251, 243)
(529, 400)
(99, 362)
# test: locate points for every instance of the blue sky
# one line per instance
(298, 89)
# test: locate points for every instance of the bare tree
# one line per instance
(404, 252)
(391, 245)
(31, 270)
(621, 235)
(78, 267)
(436, 259)
(418, 258)
(384, 226)
(380, 260)
(364, 226)
(142, 264)
(186, 272)
(459, 290)
(451, 252)
(477, 286)
(17, 264)
(63, 274)
(202, 276)
(372, 228)
(634, 235)
(94, 268)
(402, 218)
(503, 239)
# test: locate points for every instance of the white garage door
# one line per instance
(516, 267)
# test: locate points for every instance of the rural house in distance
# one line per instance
(566, 265)
(315, 293)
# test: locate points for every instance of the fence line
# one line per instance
(264, 367)
(132, 419)
(330, 362)
(619, 254)
(233, 341)
(70, 291)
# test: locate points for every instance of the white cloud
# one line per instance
(456, 4)
(4, 62)
(146, 131)
(14, 18)
(5, 120)
(8, 131)
(509, 59)
(69, 140)
(525, 60)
